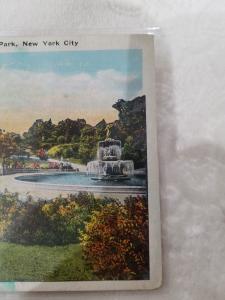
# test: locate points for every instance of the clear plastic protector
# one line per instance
(79, 194)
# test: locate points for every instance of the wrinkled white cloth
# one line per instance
(190, 81)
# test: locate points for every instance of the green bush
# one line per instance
(55, 222)
(65, 150)
(68, 152)
(9, 204)
(61, 139)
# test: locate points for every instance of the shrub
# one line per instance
(42, 154)
(68, 152)
(115, 241)
(61, 139)
(8, 207)
(29, 225)
(65, 150)
(55, 151)
(54, 222)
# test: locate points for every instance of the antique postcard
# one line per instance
(79, 199)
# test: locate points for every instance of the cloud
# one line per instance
(25, 96)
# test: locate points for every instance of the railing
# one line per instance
(15, 171)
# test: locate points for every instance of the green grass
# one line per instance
(42, 263)
(75, 160)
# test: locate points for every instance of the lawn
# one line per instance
(75, 160)
(42, 263)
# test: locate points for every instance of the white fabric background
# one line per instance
(190, 73)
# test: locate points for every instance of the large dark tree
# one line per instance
(70, 129)
(131, 127)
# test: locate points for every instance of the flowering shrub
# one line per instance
(42, 154)
(115, 241)
(53, 165)
(54, 222)
(35, 165)
(19, 165)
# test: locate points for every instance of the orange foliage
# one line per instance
(115, 241)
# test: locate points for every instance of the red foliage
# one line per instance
(42, 154)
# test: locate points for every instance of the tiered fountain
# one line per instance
(109, 166)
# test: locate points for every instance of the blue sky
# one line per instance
(74, 62)
(66, 84)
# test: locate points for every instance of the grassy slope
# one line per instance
(75, 160)
(42, 263)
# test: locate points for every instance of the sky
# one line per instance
(66, 84)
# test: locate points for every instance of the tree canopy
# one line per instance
(77, 139)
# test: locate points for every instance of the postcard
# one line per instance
(79, 194)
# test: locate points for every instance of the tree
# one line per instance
(61, 139)
(40, 135)
(115, 241)
(132, 124)
(101, 129)
(7, 147)
(88, 143)
(70, 128)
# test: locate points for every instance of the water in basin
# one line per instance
(79, 179)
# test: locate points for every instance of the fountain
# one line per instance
(109, 166)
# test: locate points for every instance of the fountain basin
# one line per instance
(50, 185)
(118, 178)
(80, 179)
